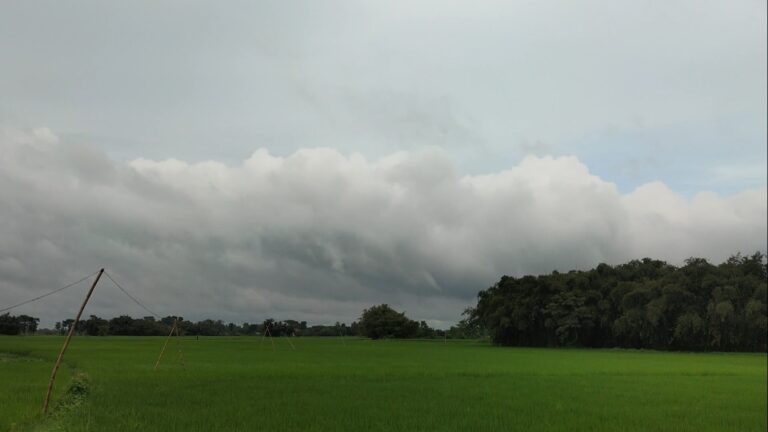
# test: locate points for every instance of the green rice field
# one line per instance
(335, 384)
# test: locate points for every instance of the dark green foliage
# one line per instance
(382, 321)
(14, 325)
(122, 325)
(95, 326)
(468, 328)
(641, 304)
(9, 325)
(338, 329)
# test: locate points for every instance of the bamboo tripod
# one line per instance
(66, 342)
(267, 332)
(272, 340)
(288, 338)
(174, 329)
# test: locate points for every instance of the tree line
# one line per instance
(641, 304)
(126, 325)
(377, 322)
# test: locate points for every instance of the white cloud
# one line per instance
(319, 235)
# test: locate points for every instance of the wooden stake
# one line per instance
(66, 343)
(173, 327)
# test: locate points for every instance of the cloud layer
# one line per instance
(319, 235)
(616, 83)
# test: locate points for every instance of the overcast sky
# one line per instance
(309, 159)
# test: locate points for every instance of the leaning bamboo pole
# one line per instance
(66, 343)
(173, 327)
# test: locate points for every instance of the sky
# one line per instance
(306, 160)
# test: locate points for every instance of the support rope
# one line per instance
(135, 300)
(47, 294)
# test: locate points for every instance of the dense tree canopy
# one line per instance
(382, 321)
(641, 304)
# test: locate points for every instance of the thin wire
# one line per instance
(46, 295)
(135, 300)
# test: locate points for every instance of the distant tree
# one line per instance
(292, 327)
(424, 331)
(9, 324)
(66, 324)
(95, 326)
(147, 326)
(469, 327)
(250, 329)
(121, 326)
(28, 324)
(208, 327)
(384, 322)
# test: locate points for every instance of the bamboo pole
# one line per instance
(178, 345)
(66, 343)
(288, 338)
(271, 339)
(173, 327)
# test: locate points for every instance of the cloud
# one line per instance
(611, 82)
(319, 235)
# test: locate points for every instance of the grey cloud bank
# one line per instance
(319, 234)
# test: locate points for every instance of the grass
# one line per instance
(326, 384)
